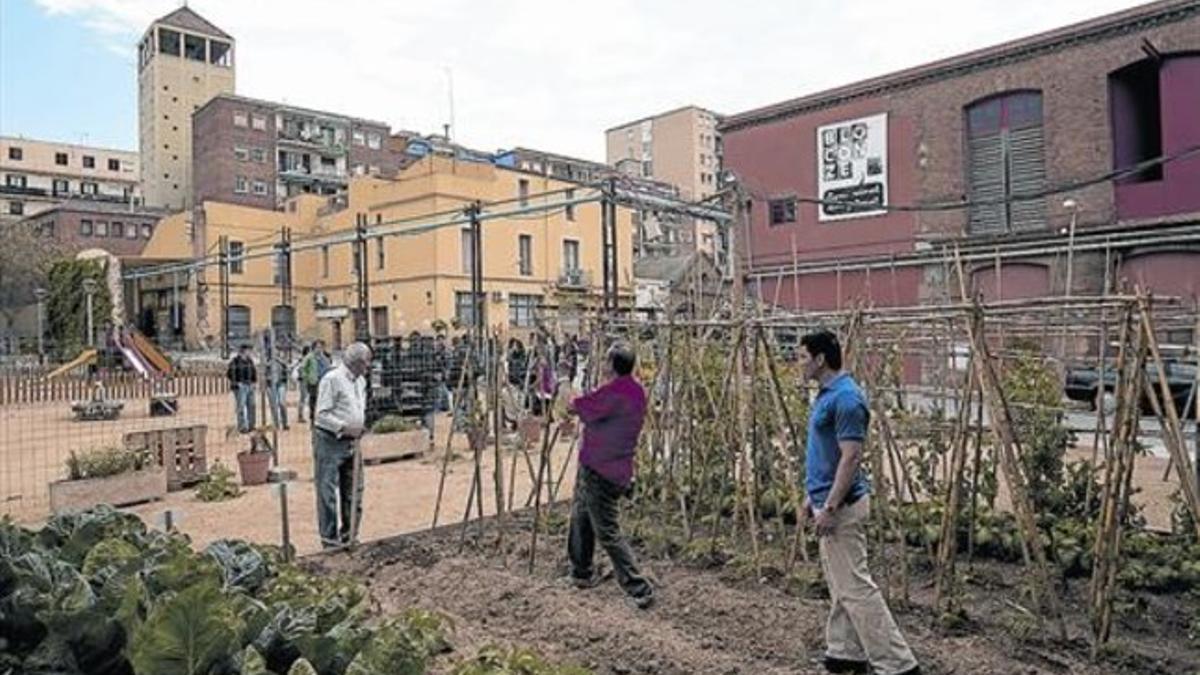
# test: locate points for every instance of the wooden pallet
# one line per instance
(394, 457)
(182, 451)
(385, 448)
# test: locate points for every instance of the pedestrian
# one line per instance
(301, 389)
(860, 634)
(277, 381)
(319, 362)
(242, 377)
(612, 416)
(339, 422)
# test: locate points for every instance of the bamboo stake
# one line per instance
(794, 493)
(949, 538)
(467, 367)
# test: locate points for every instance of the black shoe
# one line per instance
(915, 670)
(584, 583)
(835, 665)
(641, 601)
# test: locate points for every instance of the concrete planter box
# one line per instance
(121, 490)
(378, 448)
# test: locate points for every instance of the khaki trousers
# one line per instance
(860, 627)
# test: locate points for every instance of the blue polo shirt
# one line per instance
(839, 413)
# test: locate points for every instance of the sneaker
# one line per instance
(584, 583)
(641, 601)
(836, 665)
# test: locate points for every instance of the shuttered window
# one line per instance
(1005, 159)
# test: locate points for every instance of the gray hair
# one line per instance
(356, 353)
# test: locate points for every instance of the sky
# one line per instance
(546, 74)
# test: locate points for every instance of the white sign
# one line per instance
(852, 168)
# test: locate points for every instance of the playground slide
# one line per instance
(88, 356)
(150, 354)
(135, 359)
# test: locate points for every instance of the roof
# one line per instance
(670, 268)
(672, 111)
(1092, 30)
(98, 206)
(187, 19)
(276, 105)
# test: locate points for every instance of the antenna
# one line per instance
(450, 94)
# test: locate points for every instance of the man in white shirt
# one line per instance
(339, 422)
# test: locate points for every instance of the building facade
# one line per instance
(37, 175)
(1057, 163)
(258, 153)
(183, 62)
(78, 225)
(544, 261)
(681, 147)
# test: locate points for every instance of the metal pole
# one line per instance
(40, 295)
(362, 331)
(284, 526)
(223, 280)
(477, 297)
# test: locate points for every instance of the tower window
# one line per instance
(168, 41)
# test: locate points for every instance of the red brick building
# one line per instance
(120, 229)
(1002, 152)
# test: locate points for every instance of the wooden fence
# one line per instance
(15, 389)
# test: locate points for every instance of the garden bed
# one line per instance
(715, 615)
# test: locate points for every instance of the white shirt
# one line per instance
(341, 400)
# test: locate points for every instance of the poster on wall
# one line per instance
(852, 168)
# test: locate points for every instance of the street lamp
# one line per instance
(89, 288)
(1072, 206)
(40, 294)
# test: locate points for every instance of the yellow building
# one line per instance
(532, 261)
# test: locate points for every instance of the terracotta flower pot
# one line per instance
(254, 467)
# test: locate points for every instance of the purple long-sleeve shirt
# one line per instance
(612, 417)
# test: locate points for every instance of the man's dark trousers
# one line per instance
(594, 512)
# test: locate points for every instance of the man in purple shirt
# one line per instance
(612, 417)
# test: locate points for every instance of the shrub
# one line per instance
(394, 423)
(219, 485)
(104, 462)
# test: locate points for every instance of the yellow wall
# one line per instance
(421, 272)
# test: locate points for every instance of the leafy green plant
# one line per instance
(394, 423)
(496, 660)
(219, 485)
(189, 633)
(104, 462)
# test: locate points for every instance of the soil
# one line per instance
(721, 619)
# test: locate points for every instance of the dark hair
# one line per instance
(622, 359)
(824, 343)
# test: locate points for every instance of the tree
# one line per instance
(66, 306)
(25, 259)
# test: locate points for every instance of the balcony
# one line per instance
(24, 191)
(306, 175)
(575, 279)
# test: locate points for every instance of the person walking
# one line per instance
(277, 381)
(612, 416)
(318, 363)
(301, 388)
(339, 421)
(242, 376)
(860, 636)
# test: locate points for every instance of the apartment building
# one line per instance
(260, 153)
(36, 175)
(183, 62)
(530, 262)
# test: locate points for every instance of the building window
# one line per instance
(15, 180)
(85, 228)
(193, 48)
(241, 154)
(359, 137)
(101, 228)
(523, 191)
(647, 169)
(570, 255)
(118, 230)
(240, 184)
(260, 187)
(16, 208)
(464, 309)
(468, 251)
(522, 310)
(61, 186)
(219, 53)
(237, 259)
(131, 230)
(1006, 157)
(114, 164)
(359, 170)
(89, 188)
(278, 266)
(380, 253)
(89, 162)
(374, 141)
(783, 211)
(15, 153)
(570, 194)
(372, 170)
(239, 330)
(1136, 112)
(325, 261)
(147, 231)
(240, 119)
(379, 321)
(525, 254)
(258, 122)
(60, 158)
(258, 155)
(168, 41)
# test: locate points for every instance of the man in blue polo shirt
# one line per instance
(861, 633)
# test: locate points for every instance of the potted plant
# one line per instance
(394, 437)
(255, 463)
(108, 476)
